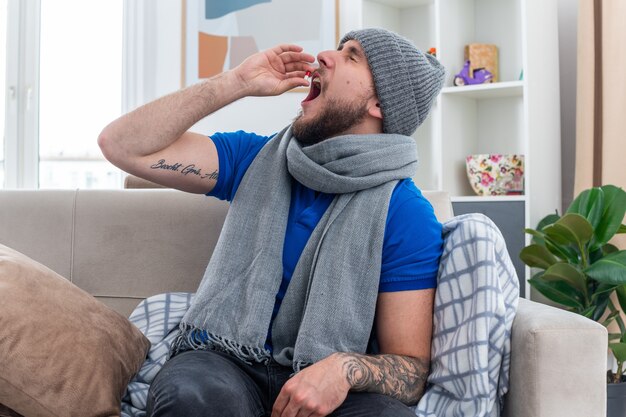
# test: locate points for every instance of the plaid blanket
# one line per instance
(476, 300)
(475, 304)
(158, 318)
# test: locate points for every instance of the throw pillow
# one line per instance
(62, 352)
(7, 412)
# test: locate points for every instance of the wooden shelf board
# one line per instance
(486, 91)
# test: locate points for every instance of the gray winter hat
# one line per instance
(407, 81)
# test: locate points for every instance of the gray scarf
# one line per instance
(330, 302)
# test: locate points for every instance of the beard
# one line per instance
(337, 117)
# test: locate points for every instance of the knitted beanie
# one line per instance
(407, 81)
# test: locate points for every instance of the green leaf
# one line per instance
(600, 299)
(600, 306)
(609, 249)
(566, 273)
(557, 235)
(622, 327)
(602, 290)
(619, 350)
(596, 255)
(613, 214)
(621, 296)
(558, 292)
(618, 318)
(594, 216)
(590, 205)
(609, 318)
(611, 269)
(549, 219)
(534, 232)
(571, 228)
(588, 312)
(539, 237)
(622, 228)
(575, 206)
(564, 252)
(537, 256)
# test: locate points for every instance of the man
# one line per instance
(318, 297)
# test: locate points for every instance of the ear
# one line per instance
(373, 108)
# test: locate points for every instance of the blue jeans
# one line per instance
(208, 383)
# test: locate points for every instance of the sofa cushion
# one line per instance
(62, 352)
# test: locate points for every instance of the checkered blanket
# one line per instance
(158, 318)
(476, 300)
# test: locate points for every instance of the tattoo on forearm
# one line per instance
(401, 377)
(184, 169)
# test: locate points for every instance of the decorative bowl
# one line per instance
(496, 174)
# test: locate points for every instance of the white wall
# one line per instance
(267, 115)
(162, 75)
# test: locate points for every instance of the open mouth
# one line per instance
(316, 88)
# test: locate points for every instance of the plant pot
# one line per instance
(616, 400)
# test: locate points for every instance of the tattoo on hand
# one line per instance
(184, 170)
(401, 377)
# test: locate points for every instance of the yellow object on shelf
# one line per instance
(482, 55)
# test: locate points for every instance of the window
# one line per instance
(3, 59)
(69, 86)
(80, 91)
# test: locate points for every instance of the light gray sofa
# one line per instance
(125, 245)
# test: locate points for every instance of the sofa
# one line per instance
(122, 246)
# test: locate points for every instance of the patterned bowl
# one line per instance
(495, 174)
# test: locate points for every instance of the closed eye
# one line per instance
(353, 53)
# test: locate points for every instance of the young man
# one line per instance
(318, 297)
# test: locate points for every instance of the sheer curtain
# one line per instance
(601, 97)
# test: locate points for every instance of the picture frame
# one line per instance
(217, 35)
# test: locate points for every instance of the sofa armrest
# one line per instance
(558, 364)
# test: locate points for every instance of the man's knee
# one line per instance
(190, 398)
(191, 388)
(185, 395)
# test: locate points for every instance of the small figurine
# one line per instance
(432, 51)
(481, 76)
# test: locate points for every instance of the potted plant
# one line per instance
(580, 270)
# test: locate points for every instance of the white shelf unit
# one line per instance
(492, 198)
(487, 91)
(514, 115)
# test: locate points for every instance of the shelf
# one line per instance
(511, 116)
(487, 91)
(489, 198)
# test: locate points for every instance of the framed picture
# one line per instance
(218, 35)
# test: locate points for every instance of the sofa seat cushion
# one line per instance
(62, 352)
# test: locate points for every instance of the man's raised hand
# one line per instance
(274, 71)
